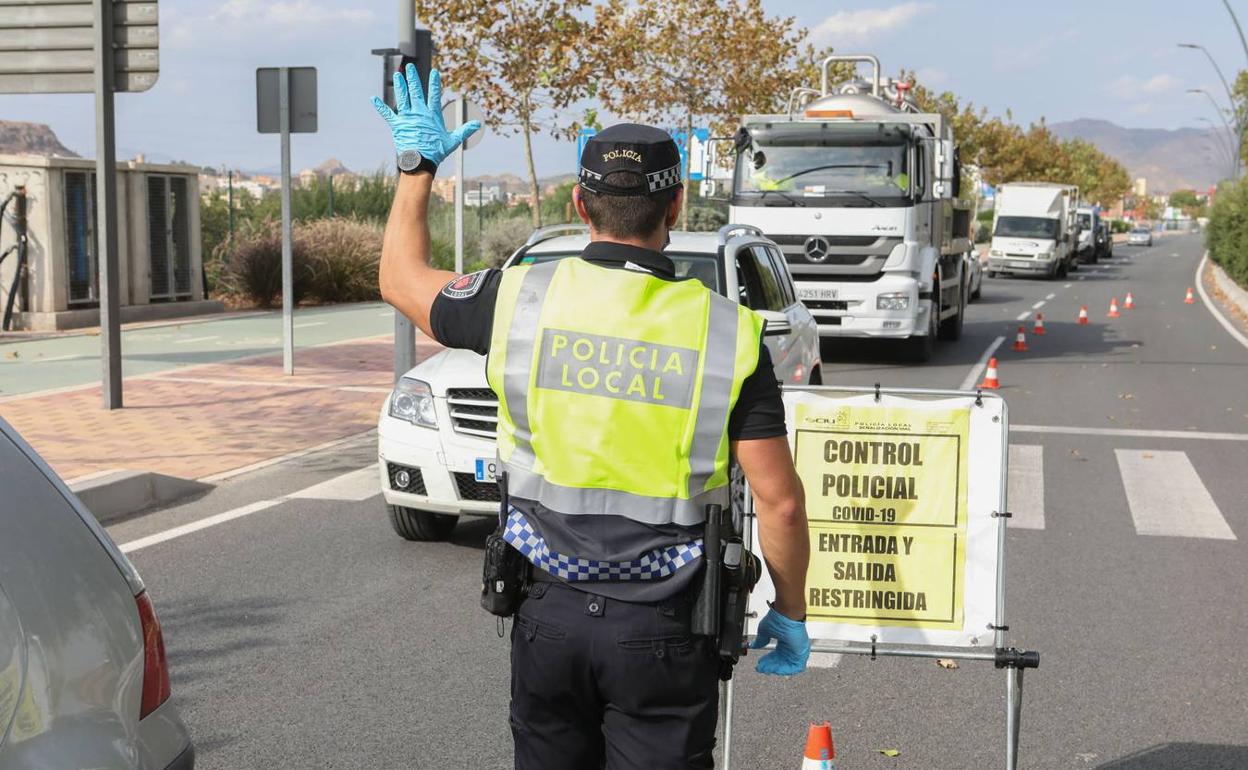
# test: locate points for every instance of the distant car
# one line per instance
(1140, 236)
(436, 432)
(974, 270)
(83, 677)
(1104, 241)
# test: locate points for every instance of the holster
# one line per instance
(731, 572)
(504, 571)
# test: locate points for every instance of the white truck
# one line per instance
(1034, 230)
(860, 190)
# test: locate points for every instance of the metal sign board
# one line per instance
(302, 100)
(450, 116)
(47, 46)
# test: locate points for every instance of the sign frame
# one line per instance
(1013, 660)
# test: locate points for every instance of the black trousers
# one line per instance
(601, 683)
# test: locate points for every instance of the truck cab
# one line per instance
(859, 189)
(1091, 239)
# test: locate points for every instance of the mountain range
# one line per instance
(1178, 159)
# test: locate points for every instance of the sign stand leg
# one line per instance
(1013, 714)
(106, 207)
(728, 688)
(288, 272)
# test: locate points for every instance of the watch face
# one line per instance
(409, 160)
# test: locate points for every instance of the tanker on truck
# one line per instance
(860, 190)
(1034, 230)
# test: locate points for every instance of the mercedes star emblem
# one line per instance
(817, 248)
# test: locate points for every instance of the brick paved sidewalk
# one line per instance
(201, 421)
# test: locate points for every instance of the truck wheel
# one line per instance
(951, 328)
(919, 349)
(412, 524)
(816, 377)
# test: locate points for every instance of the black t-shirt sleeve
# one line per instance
(759, 411)
(462, 315)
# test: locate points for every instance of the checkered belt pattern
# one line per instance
(656, 564)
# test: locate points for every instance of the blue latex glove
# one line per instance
(792, 645)
(418, 124)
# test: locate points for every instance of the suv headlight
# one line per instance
(897, 300)
(995, 253)
(1045, 255)
(412, 400)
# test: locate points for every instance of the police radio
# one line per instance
(504, 570)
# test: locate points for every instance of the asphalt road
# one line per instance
(303, 633)
(67, 360)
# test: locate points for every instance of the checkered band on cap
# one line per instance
(662, 180)
(656, 564)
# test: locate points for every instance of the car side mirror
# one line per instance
(777, 323)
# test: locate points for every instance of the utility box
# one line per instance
(159, 242)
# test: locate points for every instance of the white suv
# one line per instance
(435, 437)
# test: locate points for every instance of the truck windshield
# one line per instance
(1085, 221)
(822, 173)
(700, 266)
(1026, 227)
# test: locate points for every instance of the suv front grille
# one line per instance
(474, 411)
(471, 489)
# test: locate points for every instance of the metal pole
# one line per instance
(480, 205)
(1239, 29)
(288, 271)
(1223, 142)
(461, 117)
(230, 197)
(1013, 715)
(1230, 98)
(331, 196)
(404, 332)
(106, 207)
(728, 725)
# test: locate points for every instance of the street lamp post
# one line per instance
(1230, 97)
(1222, 140)
(1218, 109)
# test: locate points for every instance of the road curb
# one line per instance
(1212, 306)
(1235, 294)
(115, 494)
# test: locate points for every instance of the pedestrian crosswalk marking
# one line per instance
(1167, 497)
(1026, 486)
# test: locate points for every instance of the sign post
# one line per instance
(87, 46)
(906, 504)
(454, 115)
(286, 104)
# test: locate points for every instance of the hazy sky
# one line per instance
(1060, 59)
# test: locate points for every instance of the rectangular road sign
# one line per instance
(47, 46)
(302, 100)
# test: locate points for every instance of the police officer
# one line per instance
(622, 391)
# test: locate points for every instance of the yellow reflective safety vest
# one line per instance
(615, 388)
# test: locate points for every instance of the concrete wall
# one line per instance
(48, 260)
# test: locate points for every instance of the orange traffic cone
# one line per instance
(1020, 341)
(990, 378)
(1189, 299)
(820, 754)
(1039, 327)
(1083, 315)
(1113, 308)
(1129, 302)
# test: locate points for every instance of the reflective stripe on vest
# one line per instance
(630, 424)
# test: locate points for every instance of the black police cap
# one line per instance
(648, 152)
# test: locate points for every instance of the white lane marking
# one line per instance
(61, 358)
(1039, 304)
(1167, 497)
(310, 323)
(1082, 277)
(1051, 296)
(1064, 286)
(196, 339)
(824, 660)
(1071, 430)
(356, 486)
(1026, 487)
(1217, 314)
(1023, 315)
(973, 377)
(195, 526)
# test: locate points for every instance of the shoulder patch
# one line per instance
(465, 286)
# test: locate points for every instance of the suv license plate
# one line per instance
(818, 293)
(486, 468)
(1018, 264)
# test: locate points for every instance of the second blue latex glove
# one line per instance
(792, 645)
(417, 124)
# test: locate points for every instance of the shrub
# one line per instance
(341, 258)
(501, 237)
(252, 268)
(1227, 234)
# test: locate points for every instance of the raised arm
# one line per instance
(408, 281)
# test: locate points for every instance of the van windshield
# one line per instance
(1026, 227)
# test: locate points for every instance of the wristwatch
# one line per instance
(411, 162)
